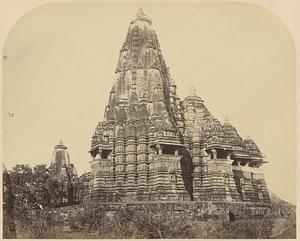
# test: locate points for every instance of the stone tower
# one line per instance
(153, 146)
(64, 171)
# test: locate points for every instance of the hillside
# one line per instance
(284, 214)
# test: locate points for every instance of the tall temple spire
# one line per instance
(141, 72)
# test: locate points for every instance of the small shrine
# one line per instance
(63, 176)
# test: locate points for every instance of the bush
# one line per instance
(95, 223)
(39, 225)
(89, 222)
(240, 229)
(161, 224)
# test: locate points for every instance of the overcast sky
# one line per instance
(61, 60)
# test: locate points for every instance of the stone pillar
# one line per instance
(160, 149)
(97, 169)
(152, 173)
(151, 154)
(119, 164)
(214, 153)
(111, 159)
(142, 167)
(131, 168)
(196, 158)
(111, 175)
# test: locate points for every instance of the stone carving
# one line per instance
(154, 140)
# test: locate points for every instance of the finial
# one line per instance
(193, 91)
(226, 120)
(248, 137)
(140, 15)
(140, 11)
(60, 145)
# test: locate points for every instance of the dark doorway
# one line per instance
(168, 149)
(231, 217)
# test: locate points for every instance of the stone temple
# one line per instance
(63, 171)
(153, 146)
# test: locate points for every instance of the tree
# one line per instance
(21, 178)
(54, 186)
(40, 176)
(9, 229)
(30, 186)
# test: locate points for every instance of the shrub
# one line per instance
(161, 224)
(146, 223)
(88, 222)
(241, 229)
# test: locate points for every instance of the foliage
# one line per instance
(32, 225)
(9, 229)
(28, 186)
(29, 190)
(242, 229)
(161, 224)
(88, 222)
(34, 188)
(95, 223)
(21, 178)
(54, 187)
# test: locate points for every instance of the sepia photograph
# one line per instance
(149, 121)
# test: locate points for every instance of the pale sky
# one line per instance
(61, 60)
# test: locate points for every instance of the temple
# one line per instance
(153, 146)
(63, 171)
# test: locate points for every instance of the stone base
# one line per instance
(194, 210)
